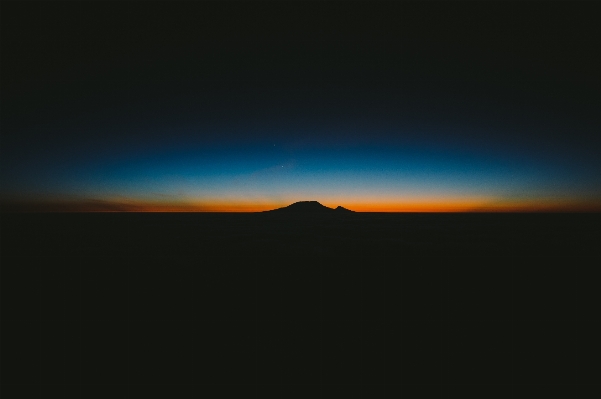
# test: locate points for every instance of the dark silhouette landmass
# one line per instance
(342, 209)
(309, 207)
(289, 294)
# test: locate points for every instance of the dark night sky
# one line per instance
(248, 106)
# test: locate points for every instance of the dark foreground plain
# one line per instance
(277, 305)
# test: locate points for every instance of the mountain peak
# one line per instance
(306, 206)
(309, 207)
(343, 209)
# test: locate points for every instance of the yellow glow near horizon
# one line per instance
(415, 204)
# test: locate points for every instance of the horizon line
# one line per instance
(137, 206)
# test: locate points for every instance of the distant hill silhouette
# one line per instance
(309, 207)
(342, 209)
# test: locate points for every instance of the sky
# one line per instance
(229, 107)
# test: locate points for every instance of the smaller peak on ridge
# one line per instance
(342, 209)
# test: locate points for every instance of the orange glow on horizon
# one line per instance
(450, 205)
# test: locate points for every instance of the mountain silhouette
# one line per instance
(309, 207)
(342, 209)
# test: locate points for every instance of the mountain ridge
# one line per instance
(310, 207)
